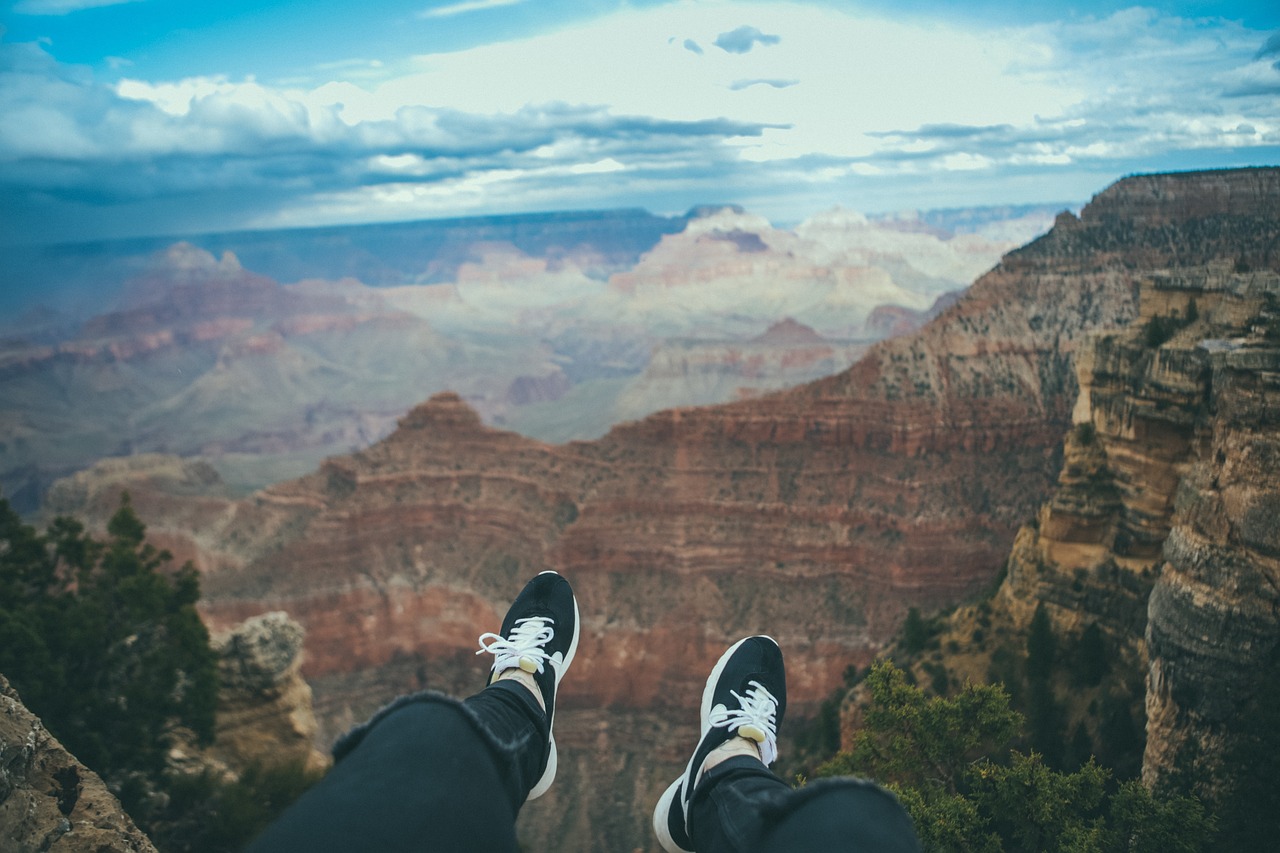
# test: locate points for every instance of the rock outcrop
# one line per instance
(264, 706)
(818, 514)
(49, 801)
(1162, 530)
(1213, 632)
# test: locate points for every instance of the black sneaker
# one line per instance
(745, 696)
(540, 636)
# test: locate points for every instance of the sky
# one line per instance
(165, 117)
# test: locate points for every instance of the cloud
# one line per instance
(464, 7)
(838, 100)
(62, 7)
(739, 85)
(1257, 87)
(243, 152)
(946, 131)
(692, 46)
(1270, 48)
(743, 39)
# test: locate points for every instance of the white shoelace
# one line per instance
(755, 720)
(523, 648)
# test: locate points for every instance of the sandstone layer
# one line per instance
(818, 514)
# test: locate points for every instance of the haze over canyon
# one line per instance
(555, 325)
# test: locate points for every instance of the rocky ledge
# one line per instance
(49, 801)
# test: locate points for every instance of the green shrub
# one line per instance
(103, 642)
(950, 761)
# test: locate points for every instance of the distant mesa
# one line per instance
(889, 320)
(746, 241)
(702, 211)
(789, 333)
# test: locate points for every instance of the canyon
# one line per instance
(818, 514)
(266, 352)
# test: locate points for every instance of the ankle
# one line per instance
(732, 748)
(524, 679)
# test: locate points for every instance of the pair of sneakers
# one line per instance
(743, 701)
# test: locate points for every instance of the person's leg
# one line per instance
(423, 776)
(429, 773)
(742, 707)
(728, 801)
(726, 812)
(741, 807)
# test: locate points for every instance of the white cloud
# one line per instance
(857, 74)
(833, 84)
(627, 107)
(62, 7)
(608, 164)
(464, 7)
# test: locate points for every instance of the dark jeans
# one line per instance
(741, 807)
(430, 774)
(426, 773)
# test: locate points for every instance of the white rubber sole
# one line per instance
(661, 814)
(549, 774)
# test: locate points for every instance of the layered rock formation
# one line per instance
(264, 705)
(818, 514)
(210, 359)
(693, 372)
(49, 801)
(1162, 530)
(1214, 618)
(203, 356)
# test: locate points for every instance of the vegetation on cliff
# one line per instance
(951, 763)
(102, 640)
(104, 643)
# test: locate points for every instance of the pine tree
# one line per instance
(103, 642)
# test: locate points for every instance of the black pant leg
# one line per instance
(741, 807)
(515, 720)
(426, 775)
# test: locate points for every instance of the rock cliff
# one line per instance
(49, 801)
(1161, 532)
(1213, 631)
(818, 514)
